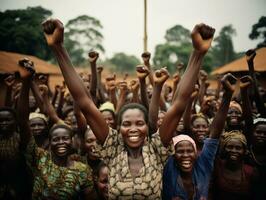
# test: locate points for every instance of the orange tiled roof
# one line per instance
(241, 64)
(9, 63)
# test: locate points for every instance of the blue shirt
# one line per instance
(201, 172)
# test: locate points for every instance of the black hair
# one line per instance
(56, 126)
(11, 110)
(132, 106)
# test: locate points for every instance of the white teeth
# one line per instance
(133, 138)
(186, 164)
(61, 149)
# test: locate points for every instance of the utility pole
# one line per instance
(145, 39)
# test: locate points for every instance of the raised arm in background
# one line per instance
(202, 36)
(142, 73)
(217, 125)
(54, 34)
(9, 82)
(160, 76)
(122, 86)
(26, 71)
(146, 56)
(134, 88)
(100, 90)
(111, 89)
(250, 55)
(93, 56)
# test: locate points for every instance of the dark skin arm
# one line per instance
(123, 94)
(146, 56)
(160, 77)
(9, 81)
(26, 71)
(245, 84)
(142, 73)
(250, 55)
(81, 121)
(100, 89)
(217, 125)
(176, 79)
(202, 90)
(134, 88)
(37, 95)
(93, 56)
(54, 34)
(111, 89)
(202, 36)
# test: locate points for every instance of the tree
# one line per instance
(259, 32)
(20, 31)
(223, 50)
(124, 63)
(83, 34)
(176, 49)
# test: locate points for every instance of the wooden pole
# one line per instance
(145, 27)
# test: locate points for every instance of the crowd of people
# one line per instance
(95, 139)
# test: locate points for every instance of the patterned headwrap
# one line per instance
(38, 115)
(238, 135)
(234, 104)
(183, 137)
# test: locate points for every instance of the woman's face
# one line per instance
(61, 142)
(233, 116)
(107, 115)
(90, 144)
(160, 119)
(102, 182)
(133, 128)
(185, 155)
(234, 150)
(37, 126)
(7, 122)
(200, 129)
(259, 134)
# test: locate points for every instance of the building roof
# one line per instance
(241, 65)
(9, 63)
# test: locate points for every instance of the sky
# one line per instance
(122, 20)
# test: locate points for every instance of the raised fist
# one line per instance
(54, 32)
(134, 85)
(111, 82)
(161, 75)
(228, 81)
(43, 89)
(202, 36)
(146, 57)
(100, 69)
(142, 71)
(10, 80)
(250, 55)
(93, 56)
(245, 82)
(26, 68)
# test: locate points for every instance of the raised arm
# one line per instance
(9, 82)
(54, 34)
(146, 56)
(134, 88)
(142, 73)
(217, 125)
(122, 86)
(26, 70)
(250, 55)
(93, 56)
(111, 88)
(100, 96)
(202, 36)
(160, 77)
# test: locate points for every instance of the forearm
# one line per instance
(218, 122)
(121, 101)
(50, 110)
(143, 93)
(37, 95)
(247, 113)
(154, 107)
(23, 112)
(112, 96)
(81, 121)
(93, 84)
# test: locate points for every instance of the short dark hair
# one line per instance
(132, 106)
(56, 126)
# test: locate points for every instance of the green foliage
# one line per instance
(82, 34)
(21, 31)
(259, 32)
(124, 63)
(176, 48)
(223, 49)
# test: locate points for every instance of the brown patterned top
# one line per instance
(148, 184)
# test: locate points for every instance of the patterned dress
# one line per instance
(56, 182)
(148, 183)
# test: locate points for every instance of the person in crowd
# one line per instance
(55, 176)
(135, 161)
(186, 174)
